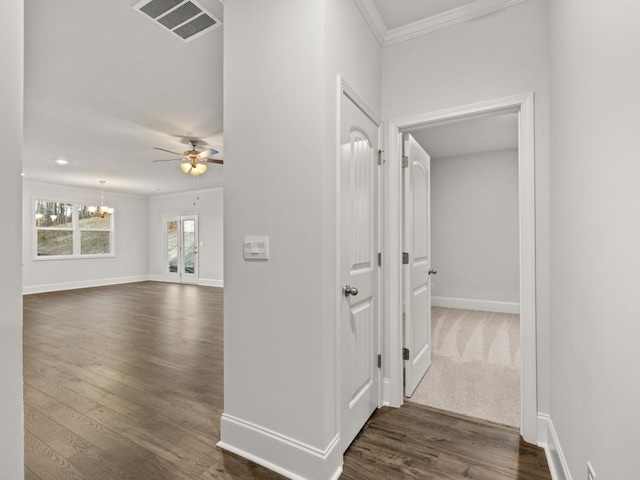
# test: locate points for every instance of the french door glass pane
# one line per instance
(189, 238)
(172, 246)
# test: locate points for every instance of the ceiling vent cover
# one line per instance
(186, 19)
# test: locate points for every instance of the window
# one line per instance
(71, 230)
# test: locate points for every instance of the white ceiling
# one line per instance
(465, 137)
(103, 85)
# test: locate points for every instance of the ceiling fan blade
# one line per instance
(213, 160)
(168, 160)
(168, 151)
(207, 153)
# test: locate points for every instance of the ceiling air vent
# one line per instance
(186, 19)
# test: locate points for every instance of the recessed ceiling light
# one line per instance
(22, 174)
(61, 161)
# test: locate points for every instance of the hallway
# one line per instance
(125, 382)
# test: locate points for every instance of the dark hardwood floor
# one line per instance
(125, 382)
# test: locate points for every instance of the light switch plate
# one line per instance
(256, 247)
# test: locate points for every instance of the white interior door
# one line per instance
(359, 271)
(181, 241)
(417, 272)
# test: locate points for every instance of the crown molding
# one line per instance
(475, 9)
(373, 19)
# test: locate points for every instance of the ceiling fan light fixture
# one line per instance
(186, 166)
(198, 169)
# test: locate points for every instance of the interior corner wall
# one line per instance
(474, 227)
(207, 204)
(129, 264)
(11, 115)
(595, 235)
(498, 55)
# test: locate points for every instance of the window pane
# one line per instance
(172, 246)
(51, 242)
(92, 220)
(95, 243)
(53, 214)
(189, 239)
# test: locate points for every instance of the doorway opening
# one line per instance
(181, 248)
(472, 211)
(523, 106)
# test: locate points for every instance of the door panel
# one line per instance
(417, 234)
(359, 269)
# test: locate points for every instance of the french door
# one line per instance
(181, 242)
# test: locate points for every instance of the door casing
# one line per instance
(392, 247)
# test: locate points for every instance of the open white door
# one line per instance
(359, 271)
(181, 241)
(417, 271)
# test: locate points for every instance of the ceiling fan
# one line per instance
(193, 161)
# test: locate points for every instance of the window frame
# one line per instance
(75, 229)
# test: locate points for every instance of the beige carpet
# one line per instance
(476, 365)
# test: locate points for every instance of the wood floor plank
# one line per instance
(50, 432)
(46, 462)
(126, 383)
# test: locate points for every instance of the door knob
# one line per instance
(350, 291)
(433, 271)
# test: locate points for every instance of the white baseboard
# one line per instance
(205, 282)
(277, 452)
(548, 439)
(475, 304)
(55, 287)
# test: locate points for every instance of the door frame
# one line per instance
(178, 277)
(344, 89)
(524, 105)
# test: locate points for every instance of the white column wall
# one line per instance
(501, 54)
(11, 114)
(595, 235)
(282, 59)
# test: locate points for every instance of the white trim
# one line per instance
(548, 439)
(476, 304)
(211, 282)
(373, 19)
(464, 13)
(55, 287)
(524, 104)
(157, 278)
(280, 453)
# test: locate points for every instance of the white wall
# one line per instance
(208, 206)
(11, 92)
(474, 227)
(595, 235)
(495, 56)
(281, 62)
(131, 262)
